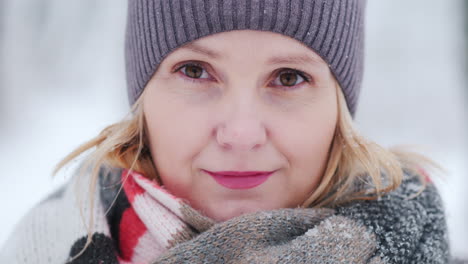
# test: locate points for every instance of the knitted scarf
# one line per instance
(144, 223)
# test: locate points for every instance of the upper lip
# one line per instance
(239, 173)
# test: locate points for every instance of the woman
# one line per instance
(239, 149)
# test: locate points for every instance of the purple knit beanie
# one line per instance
(334, 29)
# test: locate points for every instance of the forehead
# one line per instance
(273, 47)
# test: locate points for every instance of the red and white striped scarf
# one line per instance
(155, 221)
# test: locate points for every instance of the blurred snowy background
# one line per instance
(62, 81)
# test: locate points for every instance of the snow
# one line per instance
(414, 92)
(62, 81)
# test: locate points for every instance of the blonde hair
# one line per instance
(352, 160)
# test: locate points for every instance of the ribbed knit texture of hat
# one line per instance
(334, 29)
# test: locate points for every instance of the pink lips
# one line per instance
(240, 179)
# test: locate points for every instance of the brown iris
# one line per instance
(193, 71)
(288, 78)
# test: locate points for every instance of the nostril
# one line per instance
(226, 146)
(241, 134)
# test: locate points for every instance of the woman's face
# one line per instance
(241, 121)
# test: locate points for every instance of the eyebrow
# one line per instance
(200, 49)
(293, 59)
(290, 59)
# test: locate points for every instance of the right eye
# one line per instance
(194, 71)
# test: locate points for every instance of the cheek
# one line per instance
(305, 142)
(171, 149)
(307, 150)
(176, 136)
(171, 122)
(308, 133)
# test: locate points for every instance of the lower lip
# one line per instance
(240, 182)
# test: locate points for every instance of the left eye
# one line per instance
(194, 71)
(289, 78)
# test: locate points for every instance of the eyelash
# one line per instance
(282, 70)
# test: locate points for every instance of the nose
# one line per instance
(241, 133)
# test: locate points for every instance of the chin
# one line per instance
(228, 210)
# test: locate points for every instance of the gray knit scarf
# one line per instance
(145, 224)
(393, 229)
